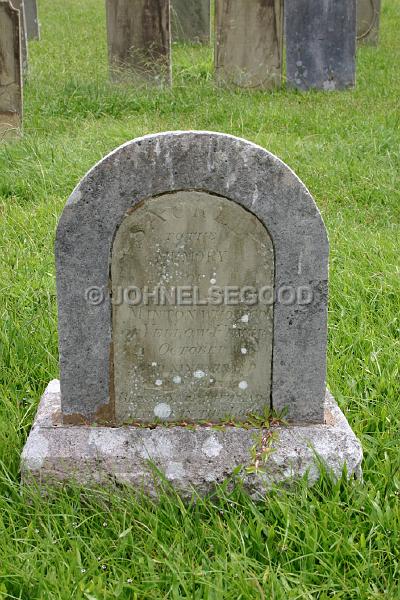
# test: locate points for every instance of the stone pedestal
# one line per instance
(10, 73)
(191, 21)
(320, 44)
(139, 41)
(368, 17)
(249, 43)
(190, 458)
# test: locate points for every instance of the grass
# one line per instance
(336, 540)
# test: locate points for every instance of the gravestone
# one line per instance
(191, 21)
(368, 17)
(249, 42)
(139, 41)
(10, 72)
(192, 274)
(320, 44)
(20, 5)
(32, 20)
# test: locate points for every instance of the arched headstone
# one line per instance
(224, 168)
(192, 279)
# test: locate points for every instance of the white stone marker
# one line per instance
(10, 72)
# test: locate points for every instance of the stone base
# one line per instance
(191, 458)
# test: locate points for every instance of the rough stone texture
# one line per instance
(32, 20)
(219, 164)
(10, 72)
(20, 5)
(139, 41)
(368, 17)
(190, 459)
(189, 359)
(249, 42)
(320, 44)
(191, 21)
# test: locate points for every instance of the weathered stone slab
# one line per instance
(223, 168)
(20, 5)
(139, 41)
(10, 72)
(196, 458)
(320, 44)
(192, 276)
(32, 20)
(186, 357)
(368, 17)
(249, 42)
(191, 21)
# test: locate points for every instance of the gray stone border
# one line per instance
(192, 460)
(220, 164)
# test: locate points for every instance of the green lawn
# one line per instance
(336, 540)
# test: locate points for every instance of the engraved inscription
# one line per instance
(186, 358)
